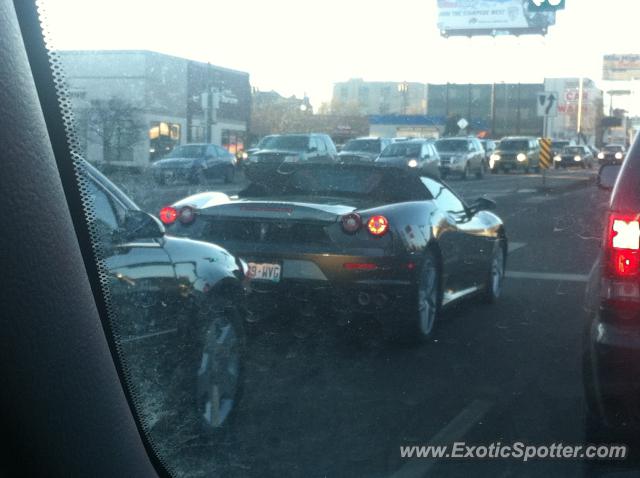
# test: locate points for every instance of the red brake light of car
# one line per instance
(351, 223)
(187, 215)
(378, 225)
(168, 215)
(623, 242)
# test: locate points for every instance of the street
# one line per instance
(341, 403)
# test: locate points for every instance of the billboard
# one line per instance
(491, 17)
(621, 67)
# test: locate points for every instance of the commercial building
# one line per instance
(570, 122)
(133, 106)
(357, 96)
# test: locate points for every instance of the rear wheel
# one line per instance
(495, 276)
(420, 324)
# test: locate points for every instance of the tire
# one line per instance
(495, 274)
(210, 380)
(230, 175)
(465, 173)
(420, 323)
(481, 171)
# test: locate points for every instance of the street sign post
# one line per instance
(547, 107)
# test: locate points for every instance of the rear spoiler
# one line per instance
(293, 211)
(203, 200)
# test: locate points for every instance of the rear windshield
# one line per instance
(290, 143)
(187, 151)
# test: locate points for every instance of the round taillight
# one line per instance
(168, 215)
(378, 225)
(351, 223)
(187, 215)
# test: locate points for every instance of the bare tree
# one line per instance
(119, 125)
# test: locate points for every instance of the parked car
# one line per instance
(359, 238)
(461, 156)
(611, 362)
(363, 149)
(195, 163)
(174, 296)
(612, 154)
(516, 153)
(574, 157)
(414, 154)
(286, 149)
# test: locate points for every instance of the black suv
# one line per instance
(195, 163)
(280, 149)
(611, 364)
(516, 153)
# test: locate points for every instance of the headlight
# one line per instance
(412, 163)
(521, 157)
(618, 155)
(577, 158)
(244, 155)
(290, 159)
(600, 155)
(495, 157)
(557, 158)
(152, 150)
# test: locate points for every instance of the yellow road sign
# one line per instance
(546, 161)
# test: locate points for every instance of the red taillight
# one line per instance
(378, 225)
(186, 215)
(351, 223)
(623, 244)
(360, 266)
(168, 215)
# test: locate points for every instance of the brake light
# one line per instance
(378, 225)
(168, 215)
(623, 242)
(351, 223)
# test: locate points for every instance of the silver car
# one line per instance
(461, 156)
(419, 154)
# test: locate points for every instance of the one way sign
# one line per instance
(547, 104)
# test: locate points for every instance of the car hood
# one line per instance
(176, 162)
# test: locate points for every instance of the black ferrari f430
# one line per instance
(354, 238)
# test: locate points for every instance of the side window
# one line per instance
(106, 215)
(445, 199)
(313, 143)
(322, 148)
(329, 144)
(425, 152)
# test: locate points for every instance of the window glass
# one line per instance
(444, 198)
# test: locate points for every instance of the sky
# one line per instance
(305, 46)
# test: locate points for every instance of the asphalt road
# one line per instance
(341, 404)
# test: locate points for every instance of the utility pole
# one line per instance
(518, 110)
(579, 118)
(493, 110)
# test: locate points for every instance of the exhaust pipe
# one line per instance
(364, 299)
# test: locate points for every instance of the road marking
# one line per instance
(147, 336)
(514, 246)
(452, 432)
(548, 276)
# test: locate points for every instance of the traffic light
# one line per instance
(545, 5)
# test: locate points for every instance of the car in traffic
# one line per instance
(462, 157)
(574, 157)
(195, 163)
(516, 154)
(611, 154)
(285, 149)
(180, 315)
(611, 348)
(413, 154)
(360, 239)
(558, 145)
(363, 149)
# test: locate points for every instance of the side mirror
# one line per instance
(139, 225)
(482, 204)
(608, 175)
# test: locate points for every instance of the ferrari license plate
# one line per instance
(262, 271)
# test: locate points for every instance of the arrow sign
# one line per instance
(547, 104)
